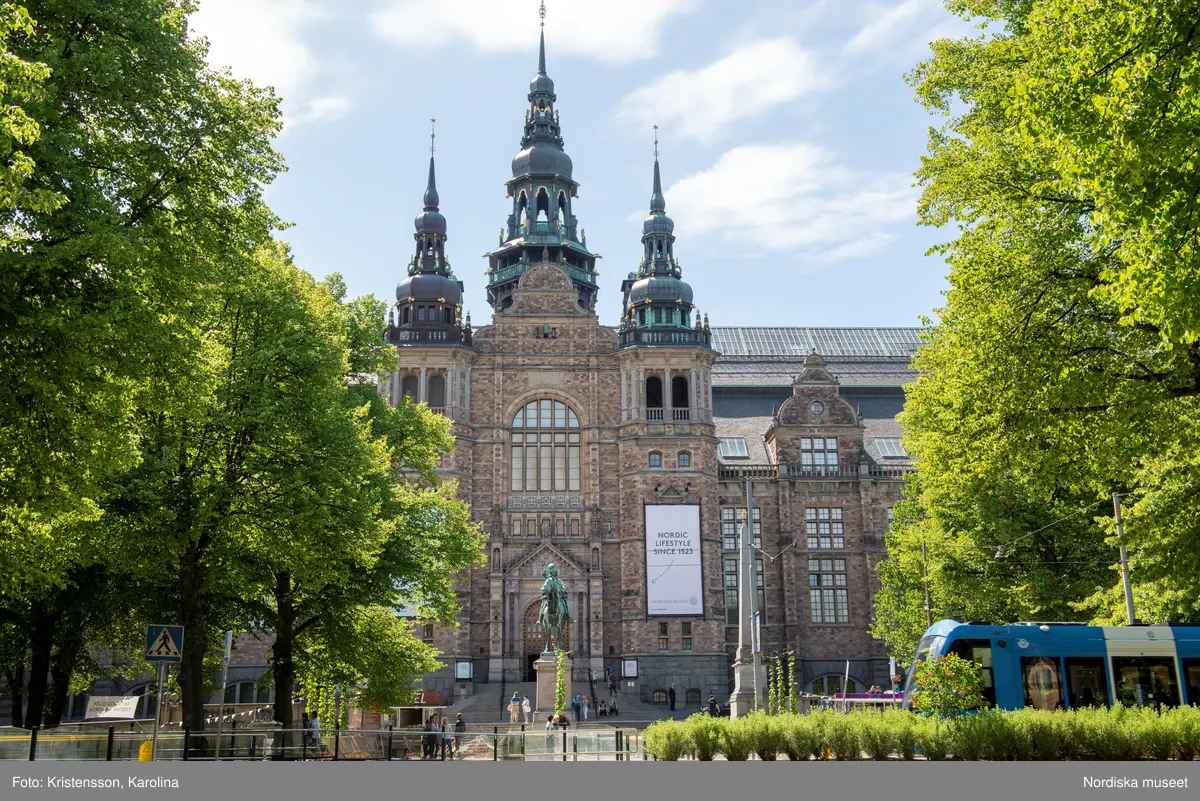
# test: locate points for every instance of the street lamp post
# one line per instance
(743, 699)
(1116, 497)
(925, 581)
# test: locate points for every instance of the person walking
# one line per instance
(712, 707)
(612, 684)
(575, 707)
(526, 710)
(306, 735)
(460, 726)
(429, 738)
(584, 702)
(447, 740)
(514, 709)
(671, 696)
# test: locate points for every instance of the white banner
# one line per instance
(674, 581)
(112, 706)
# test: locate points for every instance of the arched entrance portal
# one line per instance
(535, 640)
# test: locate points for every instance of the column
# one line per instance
(396, 387)
(624, 395)
(449, 391)
(421, 397)
(692, 389)
(708, 388)
(467, 398)
(668, 400)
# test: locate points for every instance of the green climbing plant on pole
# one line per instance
(560, 683)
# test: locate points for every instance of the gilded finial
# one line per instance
(542, 13)
(432, 134)
(656, 141)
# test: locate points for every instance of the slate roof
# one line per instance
(889, 343)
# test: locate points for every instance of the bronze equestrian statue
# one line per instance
(554, 615)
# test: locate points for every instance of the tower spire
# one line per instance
(431, 194)
(658, 203)
(542, 42)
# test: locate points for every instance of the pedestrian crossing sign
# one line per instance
(164, 643)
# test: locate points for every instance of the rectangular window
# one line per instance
(1087, 684)
(1145, 681)
(685, 460)
(656, 460)
(662, 629)
(819, 455)
(658, 315)
(516, 527)
(826, 580)
(1191, 678)
(518, 468)
(1041, 679)
(662, 637)
(545, 482)
(890, 447)
(734, 448)
(730, 523)
(573, 466)
(560, 468)
(420, 312)
(427, 631)
(662, 643)
(823, 529)
(687, 636)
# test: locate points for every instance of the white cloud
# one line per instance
(701, 104)
(792, 197)
(900, 33)
(609, 30)
(322, 109)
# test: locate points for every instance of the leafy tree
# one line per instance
(948, 686)
(1065, 364)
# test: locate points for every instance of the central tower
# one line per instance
(542, 226)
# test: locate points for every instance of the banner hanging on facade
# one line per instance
(674, 577)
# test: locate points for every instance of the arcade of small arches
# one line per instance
(666, 395)
(441, 388)
(414, 312)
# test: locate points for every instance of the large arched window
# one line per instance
(408, 386)
(832, 685)
(545, 448)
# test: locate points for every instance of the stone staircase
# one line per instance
(488, 707)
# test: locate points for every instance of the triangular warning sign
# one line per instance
(164, 645)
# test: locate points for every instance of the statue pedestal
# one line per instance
(547, 675)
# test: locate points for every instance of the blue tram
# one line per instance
(1067, 665)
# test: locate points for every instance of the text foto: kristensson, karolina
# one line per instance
(76, 783)
(1109, 782)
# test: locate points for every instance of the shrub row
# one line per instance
(1120, 733)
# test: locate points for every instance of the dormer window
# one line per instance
(890, 447)
(734, 448)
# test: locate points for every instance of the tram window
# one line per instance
(928, 648)
(1191, 672)
(1146, 681)
(1042, 682)
(1086, 683)
(981, 652)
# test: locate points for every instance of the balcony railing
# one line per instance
(428, 336)
(681, 415)
(654, 415)
(684, 337)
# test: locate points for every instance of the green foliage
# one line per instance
(948, 686)
(737, 739)
(793, 695)
(667, 740)
(803, 738)
(705, 734)
(1117, 734)
(877, 735)
(768, 735)
(933, 739)
(560, 683)
(1065, 363)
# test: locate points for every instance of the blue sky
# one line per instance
(788, 139)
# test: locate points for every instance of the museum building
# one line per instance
(574, 436)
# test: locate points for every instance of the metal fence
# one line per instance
(132, 742)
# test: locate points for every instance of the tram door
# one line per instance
(1146, 681)
(1191, 677)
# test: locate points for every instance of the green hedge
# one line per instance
(1120, 733)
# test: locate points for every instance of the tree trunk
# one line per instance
(283, 663)
(41, 641)
(192, 681)
(16, 692)
(60, 689)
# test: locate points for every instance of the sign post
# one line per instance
(224, 681)
(164, 646)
